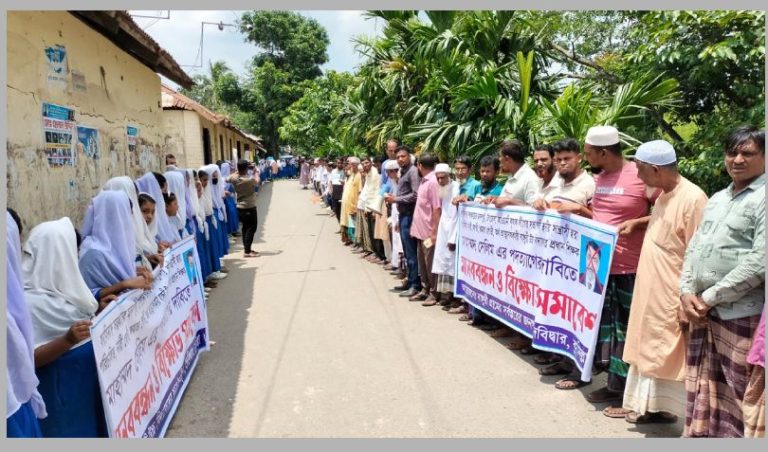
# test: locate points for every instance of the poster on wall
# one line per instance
(88, 141)
(133, 137)
(56, 56)
(59, 129)
(78, 81)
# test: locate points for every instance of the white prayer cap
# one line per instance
(443, 168)
(657, 152)
(391, 165)
(602, 136)
(353, 160)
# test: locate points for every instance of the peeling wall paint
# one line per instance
(111, 90)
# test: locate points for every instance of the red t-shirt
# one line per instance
(621, 196)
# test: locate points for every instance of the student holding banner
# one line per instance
(24, 405)
(655, 346)
(571, 193)
(61, 306)
(621, 199)
(489, 188)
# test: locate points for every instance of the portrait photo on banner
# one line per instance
(593, 264)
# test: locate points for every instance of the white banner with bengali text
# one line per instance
(147, 344)
(541, 273)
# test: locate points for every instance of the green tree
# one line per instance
(310, 122)
(290, 50)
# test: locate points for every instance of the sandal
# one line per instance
(569, 383)
(547, 358)
(558, 368)
(603, 395)
(465, 318)
(530, 351)
(617, 412)
(662, 417)
(519, 343)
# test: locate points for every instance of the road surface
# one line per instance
(309, 341)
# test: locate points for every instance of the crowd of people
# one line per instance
(61, 277)
(682, 329)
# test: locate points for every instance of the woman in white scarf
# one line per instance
(61, 306)
(145, 239)
(177, 186)
(213, 213)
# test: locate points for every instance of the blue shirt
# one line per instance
(471, 187)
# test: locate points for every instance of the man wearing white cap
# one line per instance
(623, 200)
(443, 264)
(656, 343)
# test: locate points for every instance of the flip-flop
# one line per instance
(579, 383)
(616, 412)
(558, 368)
(603, 395)
(651, 418)
(547, 358)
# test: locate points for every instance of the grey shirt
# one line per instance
(725, 261)
(407, 190)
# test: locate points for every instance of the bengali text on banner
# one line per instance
(147, 344)
(541, 273)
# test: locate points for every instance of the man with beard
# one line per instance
(544, 165)
(443, 264)
(570, 192)
(391, 150)
(490, 187)
(623, 200)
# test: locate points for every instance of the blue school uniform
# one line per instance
(214, 244)
(202, 252)
(233, 220)
(222, 234)
(23, 423)
(70, 389)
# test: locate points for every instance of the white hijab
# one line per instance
(177, 186)
(217, 191)
(195, 200)
(54, 288)
(151, 227)
(206, 201)
(145, 239)
(148, 183)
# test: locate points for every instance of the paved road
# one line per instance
(310, 342)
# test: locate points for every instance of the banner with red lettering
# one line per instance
(147, 344)
(541, 273)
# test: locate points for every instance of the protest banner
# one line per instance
(541, 273)
(59, 130)
(147, 344)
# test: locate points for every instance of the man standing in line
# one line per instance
(544, 165)
(407, 189)
(337, 187)
(444, 263)
(723, 292)
(245, 188)
(655, 346)
(425, 221)
(621, 199)
(520, 190)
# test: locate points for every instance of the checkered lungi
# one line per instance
(716, 377)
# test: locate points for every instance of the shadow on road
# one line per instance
(209, 412)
